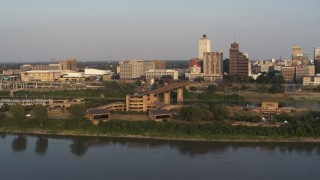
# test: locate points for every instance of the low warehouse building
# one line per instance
(97, 115)
(160, 115)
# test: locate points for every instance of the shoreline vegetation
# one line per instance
(253, 139)
(165, 131)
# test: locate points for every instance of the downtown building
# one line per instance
(158, 73)
(298, 58)
(133, 69)
(195, 69)
(238, 62)
(212, 66)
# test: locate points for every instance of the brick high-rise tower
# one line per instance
(238, 64)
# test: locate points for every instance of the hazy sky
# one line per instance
(39, 30)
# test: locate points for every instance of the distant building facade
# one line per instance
(298, 58)
(90, 71)
(51, 72)
(288, 73)
(160, 64)
(44, 75)
(158, 73)
(69, 64)
(317, 60)
(195, 66)
(131, 69)
(150, 65)
(40, 68)
(55, 66)
(301, 71)
(314, 80)
(9, 72)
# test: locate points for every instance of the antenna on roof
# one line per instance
(234, 38)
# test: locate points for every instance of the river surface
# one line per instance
(42, 157)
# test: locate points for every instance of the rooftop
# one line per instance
(98, 111)
(159, 111)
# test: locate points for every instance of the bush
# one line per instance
(2, 116)
(4, 108)
(195, 113)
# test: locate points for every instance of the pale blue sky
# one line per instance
(38, 30)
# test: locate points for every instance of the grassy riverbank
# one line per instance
(153, 130)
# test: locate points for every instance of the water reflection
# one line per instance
(79, 147)
(19, 144)
(3, 135)
(41, 145)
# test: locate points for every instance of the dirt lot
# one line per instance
(258, 97)
(58, 114)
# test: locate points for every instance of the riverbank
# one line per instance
(214, 138)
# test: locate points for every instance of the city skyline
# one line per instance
(113, 30)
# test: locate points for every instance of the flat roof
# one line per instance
(44, 71)
(159, 111)
(98, 111)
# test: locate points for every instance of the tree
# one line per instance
(219, 112)
(262, 89)
(276, 88)
(4, 108)
(195, 113)
(212, 88)
(78, 111)
(193, 88)
(41, 114)
(18, 112)
(167, 77)
(198, 79)
(263, 79)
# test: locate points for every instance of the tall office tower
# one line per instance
(317, 60)
(317, 53)
(73, 64)
(204, 46)
(296, 51)
(212, 66)
(316, 63)
(69, 64)
(238, 63)
(131, 69)
(298, 58)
